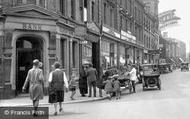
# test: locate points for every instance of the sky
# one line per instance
(180, 31)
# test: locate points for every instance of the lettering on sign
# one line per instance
(29, 26)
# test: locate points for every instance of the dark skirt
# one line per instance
(57, 96)
(83, 86)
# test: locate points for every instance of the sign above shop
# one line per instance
(128, 37)
(30, 26)
(111, 32)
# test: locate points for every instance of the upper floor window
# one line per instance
(62, 7)
(73, 5)
(18, 2)
(111, 17)
(31, 1)
(105, 13)
(42, 3)
(92, 8)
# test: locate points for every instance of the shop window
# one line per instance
(74, 53)
(112, 54)
(63, 52)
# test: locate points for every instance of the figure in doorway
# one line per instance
(36, 80)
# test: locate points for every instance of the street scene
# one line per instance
(97, 59)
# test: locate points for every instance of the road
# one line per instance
(172, 102)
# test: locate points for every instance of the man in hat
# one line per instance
(91, 79)
(35, 79)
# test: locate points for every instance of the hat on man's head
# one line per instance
(36, 62)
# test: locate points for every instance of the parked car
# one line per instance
(184, 66)
(165, 68)
(150, 76)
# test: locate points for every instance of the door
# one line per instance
(27, 50)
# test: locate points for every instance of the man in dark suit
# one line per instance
(91, 78)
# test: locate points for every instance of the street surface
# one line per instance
(172, 102)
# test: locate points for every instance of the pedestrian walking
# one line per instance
(35, 80)
(72, 86)
(83, 86)
(57, 80)
(91, 79)
(108, 87)
(133, 77)
(117, 88)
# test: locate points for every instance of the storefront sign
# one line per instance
(111, 32)
(30, 26)
(128, 37)
(65, 31)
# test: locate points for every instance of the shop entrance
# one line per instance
(27, 49)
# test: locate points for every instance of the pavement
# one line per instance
(24, 100)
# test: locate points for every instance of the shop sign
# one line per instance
(128, 37)
(31, 26)
(65, 31)
(111, 32)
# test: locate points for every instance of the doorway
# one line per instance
(27, 49)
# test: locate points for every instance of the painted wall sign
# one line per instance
(30, 26)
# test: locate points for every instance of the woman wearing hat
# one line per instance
(35, 79)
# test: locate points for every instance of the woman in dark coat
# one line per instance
(83, 87)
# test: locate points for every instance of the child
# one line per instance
(117, 90)
(108, 87)
(72, 86)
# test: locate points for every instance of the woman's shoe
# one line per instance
(61, 109)
(34, 114)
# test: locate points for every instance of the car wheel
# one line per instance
(159, 84)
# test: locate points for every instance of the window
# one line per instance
(42, 3)
(115, 19)
(31, 1)
(81, 2)
(63, 52)
(62, 7)
(111, 17)
(18, 2)
(105, 19)
(73, 9)
(92, 12)
(74, 53)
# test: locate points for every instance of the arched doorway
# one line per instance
(28, 48)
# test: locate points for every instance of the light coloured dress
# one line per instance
(35, 79)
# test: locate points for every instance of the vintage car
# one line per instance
(184, 66)
(150, 76)
(165, 68)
